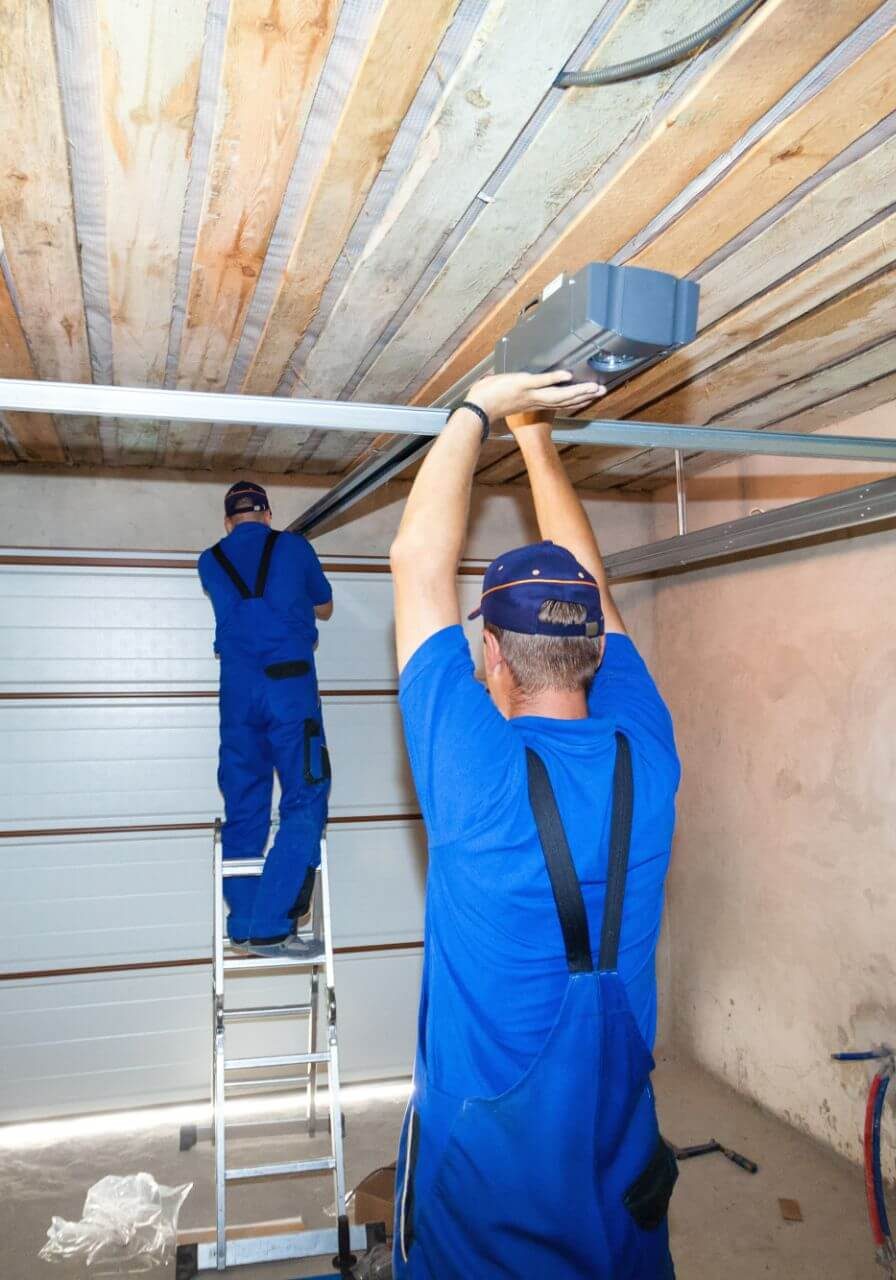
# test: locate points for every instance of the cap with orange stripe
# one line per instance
(517, 584)
(245, 495)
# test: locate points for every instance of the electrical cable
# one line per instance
(661, 58)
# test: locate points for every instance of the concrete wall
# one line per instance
(781, 673)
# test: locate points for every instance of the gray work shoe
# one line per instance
(291, 948)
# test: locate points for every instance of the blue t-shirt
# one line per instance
(495, 966)
(295, 584)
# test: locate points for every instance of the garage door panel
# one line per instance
(97, 761)
(78, 901)
(120, 1041)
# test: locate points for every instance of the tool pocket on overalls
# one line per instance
(647, 1199)
(405, 1226)
(287, 670)
(316, 757)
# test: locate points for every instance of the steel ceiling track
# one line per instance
(864, 506)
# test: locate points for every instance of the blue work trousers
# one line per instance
(270, 724)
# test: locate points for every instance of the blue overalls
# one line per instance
(270, 719)
(564, 1176)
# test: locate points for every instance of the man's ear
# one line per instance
(228, 524)
(268, 516)
(491, 649)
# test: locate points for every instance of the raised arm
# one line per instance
(558, 508)
(430, 540)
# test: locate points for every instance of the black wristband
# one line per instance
(480, 414)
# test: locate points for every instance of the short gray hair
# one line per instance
(538, 662)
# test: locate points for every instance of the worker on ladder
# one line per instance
(268, 591)
(531, 1150)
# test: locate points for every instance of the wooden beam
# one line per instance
(150, 56)
(778, 45)
(402, 45)
(564, 161)
(274, 54)
(511, 63)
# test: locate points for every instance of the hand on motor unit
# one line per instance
(511, 393)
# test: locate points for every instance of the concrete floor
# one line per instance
(725, 1222)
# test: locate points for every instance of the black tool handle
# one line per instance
(741, 1161)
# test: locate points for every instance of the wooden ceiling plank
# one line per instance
(853, 261)
(854, 101)
(803, 402)
(185, 444)
(401, 47)
(227, 445)
(821, 337)
(38, 223)
(509, 66)
(150, 56)
(779, 44)
(563, 161)
(274, 55)
(36, 211)
(827, 413)
(828, 214)
(35, 434)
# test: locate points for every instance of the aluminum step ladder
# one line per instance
(236, 1247)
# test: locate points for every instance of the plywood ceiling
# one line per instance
(354, 199)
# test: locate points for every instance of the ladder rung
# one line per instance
(273, 962)
(264, 1082)
(276, 1060)
(242, 867)
(265, 1011)
(281, 1170)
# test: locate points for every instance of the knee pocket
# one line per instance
(647, 1199)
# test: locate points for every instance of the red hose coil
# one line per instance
(873, 1215)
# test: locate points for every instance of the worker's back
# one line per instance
(491, 907)
(276, 623)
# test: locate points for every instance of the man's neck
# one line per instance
(553, 704)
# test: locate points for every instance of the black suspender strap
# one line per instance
(561, 869)
(620, 841)
(264, 565)
(218, 553)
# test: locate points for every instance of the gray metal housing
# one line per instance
(604, 323)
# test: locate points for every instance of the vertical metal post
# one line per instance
(681, 500)
(333, 1072)
(218, 1052)
(314, 1014)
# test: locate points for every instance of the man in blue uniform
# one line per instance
(268, 591)
(531, 1150)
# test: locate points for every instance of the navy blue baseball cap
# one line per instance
(518, 583)
(245, 495)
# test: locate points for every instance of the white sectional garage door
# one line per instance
(107, 799)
